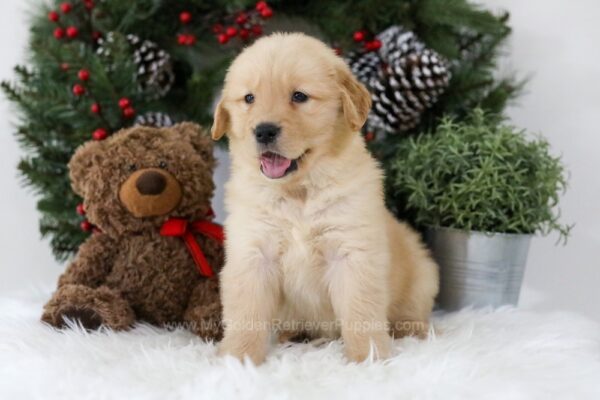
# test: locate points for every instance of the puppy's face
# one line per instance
(287, 101)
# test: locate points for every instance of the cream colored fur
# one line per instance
(315, 252)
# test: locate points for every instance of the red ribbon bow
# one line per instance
(182, 228)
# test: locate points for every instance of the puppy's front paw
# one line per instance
(242, 346)
(358, 348)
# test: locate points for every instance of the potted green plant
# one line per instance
(480, 189)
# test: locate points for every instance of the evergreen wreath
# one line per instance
(96, 66)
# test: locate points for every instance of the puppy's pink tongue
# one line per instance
(274, 165)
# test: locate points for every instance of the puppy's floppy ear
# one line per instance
(356, 99)
(81, 165)
(221, 122)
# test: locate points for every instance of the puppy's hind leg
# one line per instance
(404, 326)
(413, 285)
(412, 301)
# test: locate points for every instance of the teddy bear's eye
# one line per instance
(162, 165)
(132, 167)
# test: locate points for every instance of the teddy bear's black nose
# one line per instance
(151, 183)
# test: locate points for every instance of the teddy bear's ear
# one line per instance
(80, 166)
(198, 137)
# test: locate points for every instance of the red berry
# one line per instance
(373, 45)
(53, 16)
(80, 209)
(337, 51)
(100, 134)
(96, 35)
(244, 33)
(217, 28)
(369, 136)
(358, 36)
(261, 5)
(185, 17)
(72, 32)
(95, 108)
(124, 102)
(376, 44)
(241, 19)
(190, 40)
(86, 225)
(257, 30)
(231, 32)
(78, 90)
(181, 39)
(83, 74)
(64, 67)
(59, 33)
(266, 13)
(66, 7)
(223, 38)
(129, 112)
(89, 4)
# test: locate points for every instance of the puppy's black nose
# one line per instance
(266, 132)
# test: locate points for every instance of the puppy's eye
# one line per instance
(249, 98)
(132, 167)
(299, 97)
(162, 165)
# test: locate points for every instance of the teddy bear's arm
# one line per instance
(214, 252)
(203, 314)
(93, 262)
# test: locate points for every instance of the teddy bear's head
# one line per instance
(141, 176)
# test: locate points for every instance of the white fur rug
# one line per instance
(503, 354)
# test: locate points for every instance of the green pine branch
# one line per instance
(52, 122)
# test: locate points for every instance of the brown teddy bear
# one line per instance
(157, 254)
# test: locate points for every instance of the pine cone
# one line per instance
(154, 70)
(405, 88)
(364, 66)
(410, 80)
(154, 119)
(397, 40)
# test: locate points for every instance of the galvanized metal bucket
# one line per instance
(476, 268)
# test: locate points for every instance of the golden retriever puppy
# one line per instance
(311, 248)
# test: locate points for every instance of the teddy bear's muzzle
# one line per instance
(150, 192)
